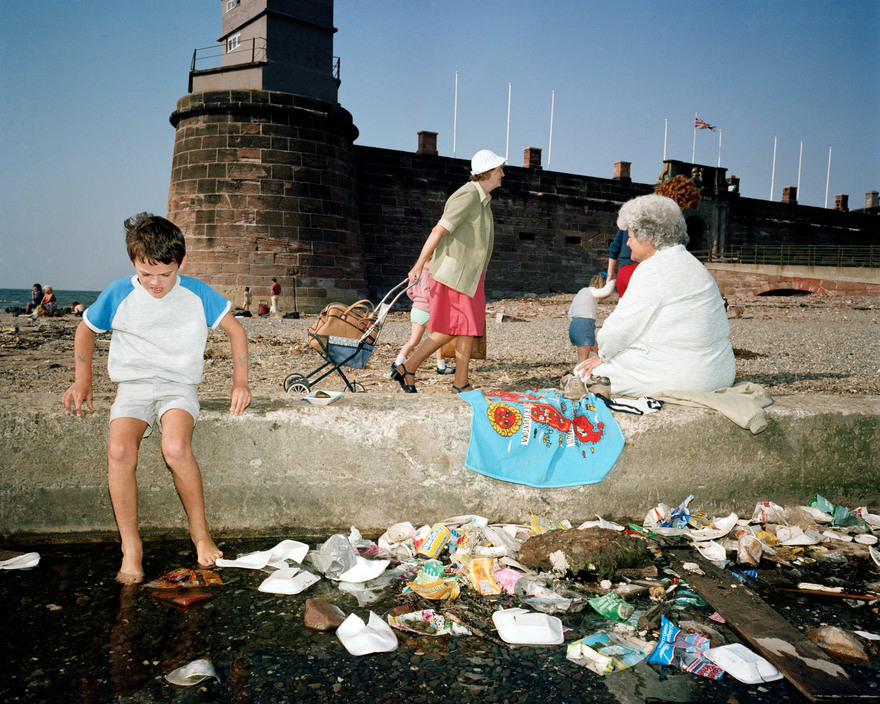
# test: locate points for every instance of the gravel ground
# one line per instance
(808, 344)
(79, 637)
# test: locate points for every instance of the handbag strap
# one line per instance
(364, 306)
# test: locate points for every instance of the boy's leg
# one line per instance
(122, 455)
(583, 353)
(177, 428)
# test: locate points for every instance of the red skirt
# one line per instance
(454, 313)
(623, 276)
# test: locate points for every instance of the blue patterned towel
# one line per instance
(540, 438)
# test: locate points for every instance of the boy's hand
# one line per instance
(75, 395)
(241, 399)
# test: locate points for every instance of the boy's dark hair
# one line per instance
(154, 239)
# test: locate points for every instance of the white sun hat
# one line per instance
(485, 160)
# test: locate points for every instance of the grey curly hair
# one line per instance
(655, 219)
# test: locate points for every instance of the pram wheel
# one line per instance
(296, 384)
(357, 387)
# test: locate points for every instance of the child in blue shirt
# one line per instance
(160, 322)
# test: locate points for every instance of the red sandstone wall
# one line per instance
(262, 184)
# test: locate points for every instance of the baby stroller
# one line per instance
(344, 336)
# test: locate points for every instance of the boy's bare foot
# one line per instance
(131, 571)
(207, 552)
(124, 577)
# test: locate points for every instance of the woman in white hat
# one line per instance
(459, 248)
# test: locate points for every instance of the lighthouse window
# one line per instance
(231, 4)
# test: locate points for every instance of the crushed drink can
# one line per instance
(435, 541)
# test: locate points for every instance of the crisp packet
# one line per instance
(686, 650)
(540, 525)
(482, 574)
(506, 578)
(431, 571)
(436, 590)
(612, 606)
(427, 623)
(183, 577)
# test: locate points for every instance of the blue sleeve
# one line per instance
(99, 316)
(616, 245)
(215, 305)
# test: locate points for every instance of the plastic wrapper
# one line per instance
(507, 578)
(615, 652)
(539, 524)
(768, 512)
(685, 650)
(871, 519)
(185, 578)
(441, 589)
(748, 551)
(334, 556)
(482, 575)
(612, 606)
(431, 584)
(428, 622)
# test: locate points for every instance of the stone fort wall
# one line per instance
(267, 184)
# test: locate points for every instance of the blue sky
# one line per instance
(88, 85)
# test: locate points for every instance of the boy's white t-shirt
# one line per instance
(157, 338)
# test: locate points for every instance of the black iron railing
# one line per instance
(866, 256)
(252, 51)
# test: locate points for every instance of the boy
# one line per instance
(160, 324)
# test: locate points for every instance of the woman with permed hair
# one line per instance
(670, 331)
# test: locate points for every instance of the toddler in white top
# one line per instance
(582, 316)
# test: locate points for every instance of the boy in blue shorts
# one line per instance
(160, 323)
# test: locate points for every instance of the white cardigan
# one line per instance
(669, 331)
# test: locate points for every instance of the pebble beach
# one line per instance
(788, 345)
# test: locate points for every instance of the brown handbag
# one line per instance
(339, 320)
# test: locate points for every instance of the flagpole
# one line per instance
(800, 162)
(507, 142)
(665, 137)
(773, 170)
(455, 115)
(550, 145)
(720, 132)
(828, 177)
(694, 147)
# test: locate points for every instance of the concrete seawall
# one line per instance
(373, 459)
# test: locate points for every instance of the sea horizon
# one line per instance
(20, 297)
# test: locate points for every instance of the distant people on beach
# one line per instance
(274, 292)
(159, 331)
(36, 299)
(246, 299)
(77, 308)
(50, 302)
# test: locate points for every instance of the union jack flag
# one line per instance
(701, 125)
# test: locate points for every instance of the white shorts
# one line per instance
(149, 401)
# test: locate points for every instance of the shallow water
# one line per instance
(73, 634)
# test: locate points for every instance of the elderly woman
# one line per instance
(670, 331)
(458, 248)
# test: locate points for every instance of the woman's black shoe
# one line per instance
(400, 378)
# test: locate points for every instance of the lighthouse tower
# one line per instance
(263, 180)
